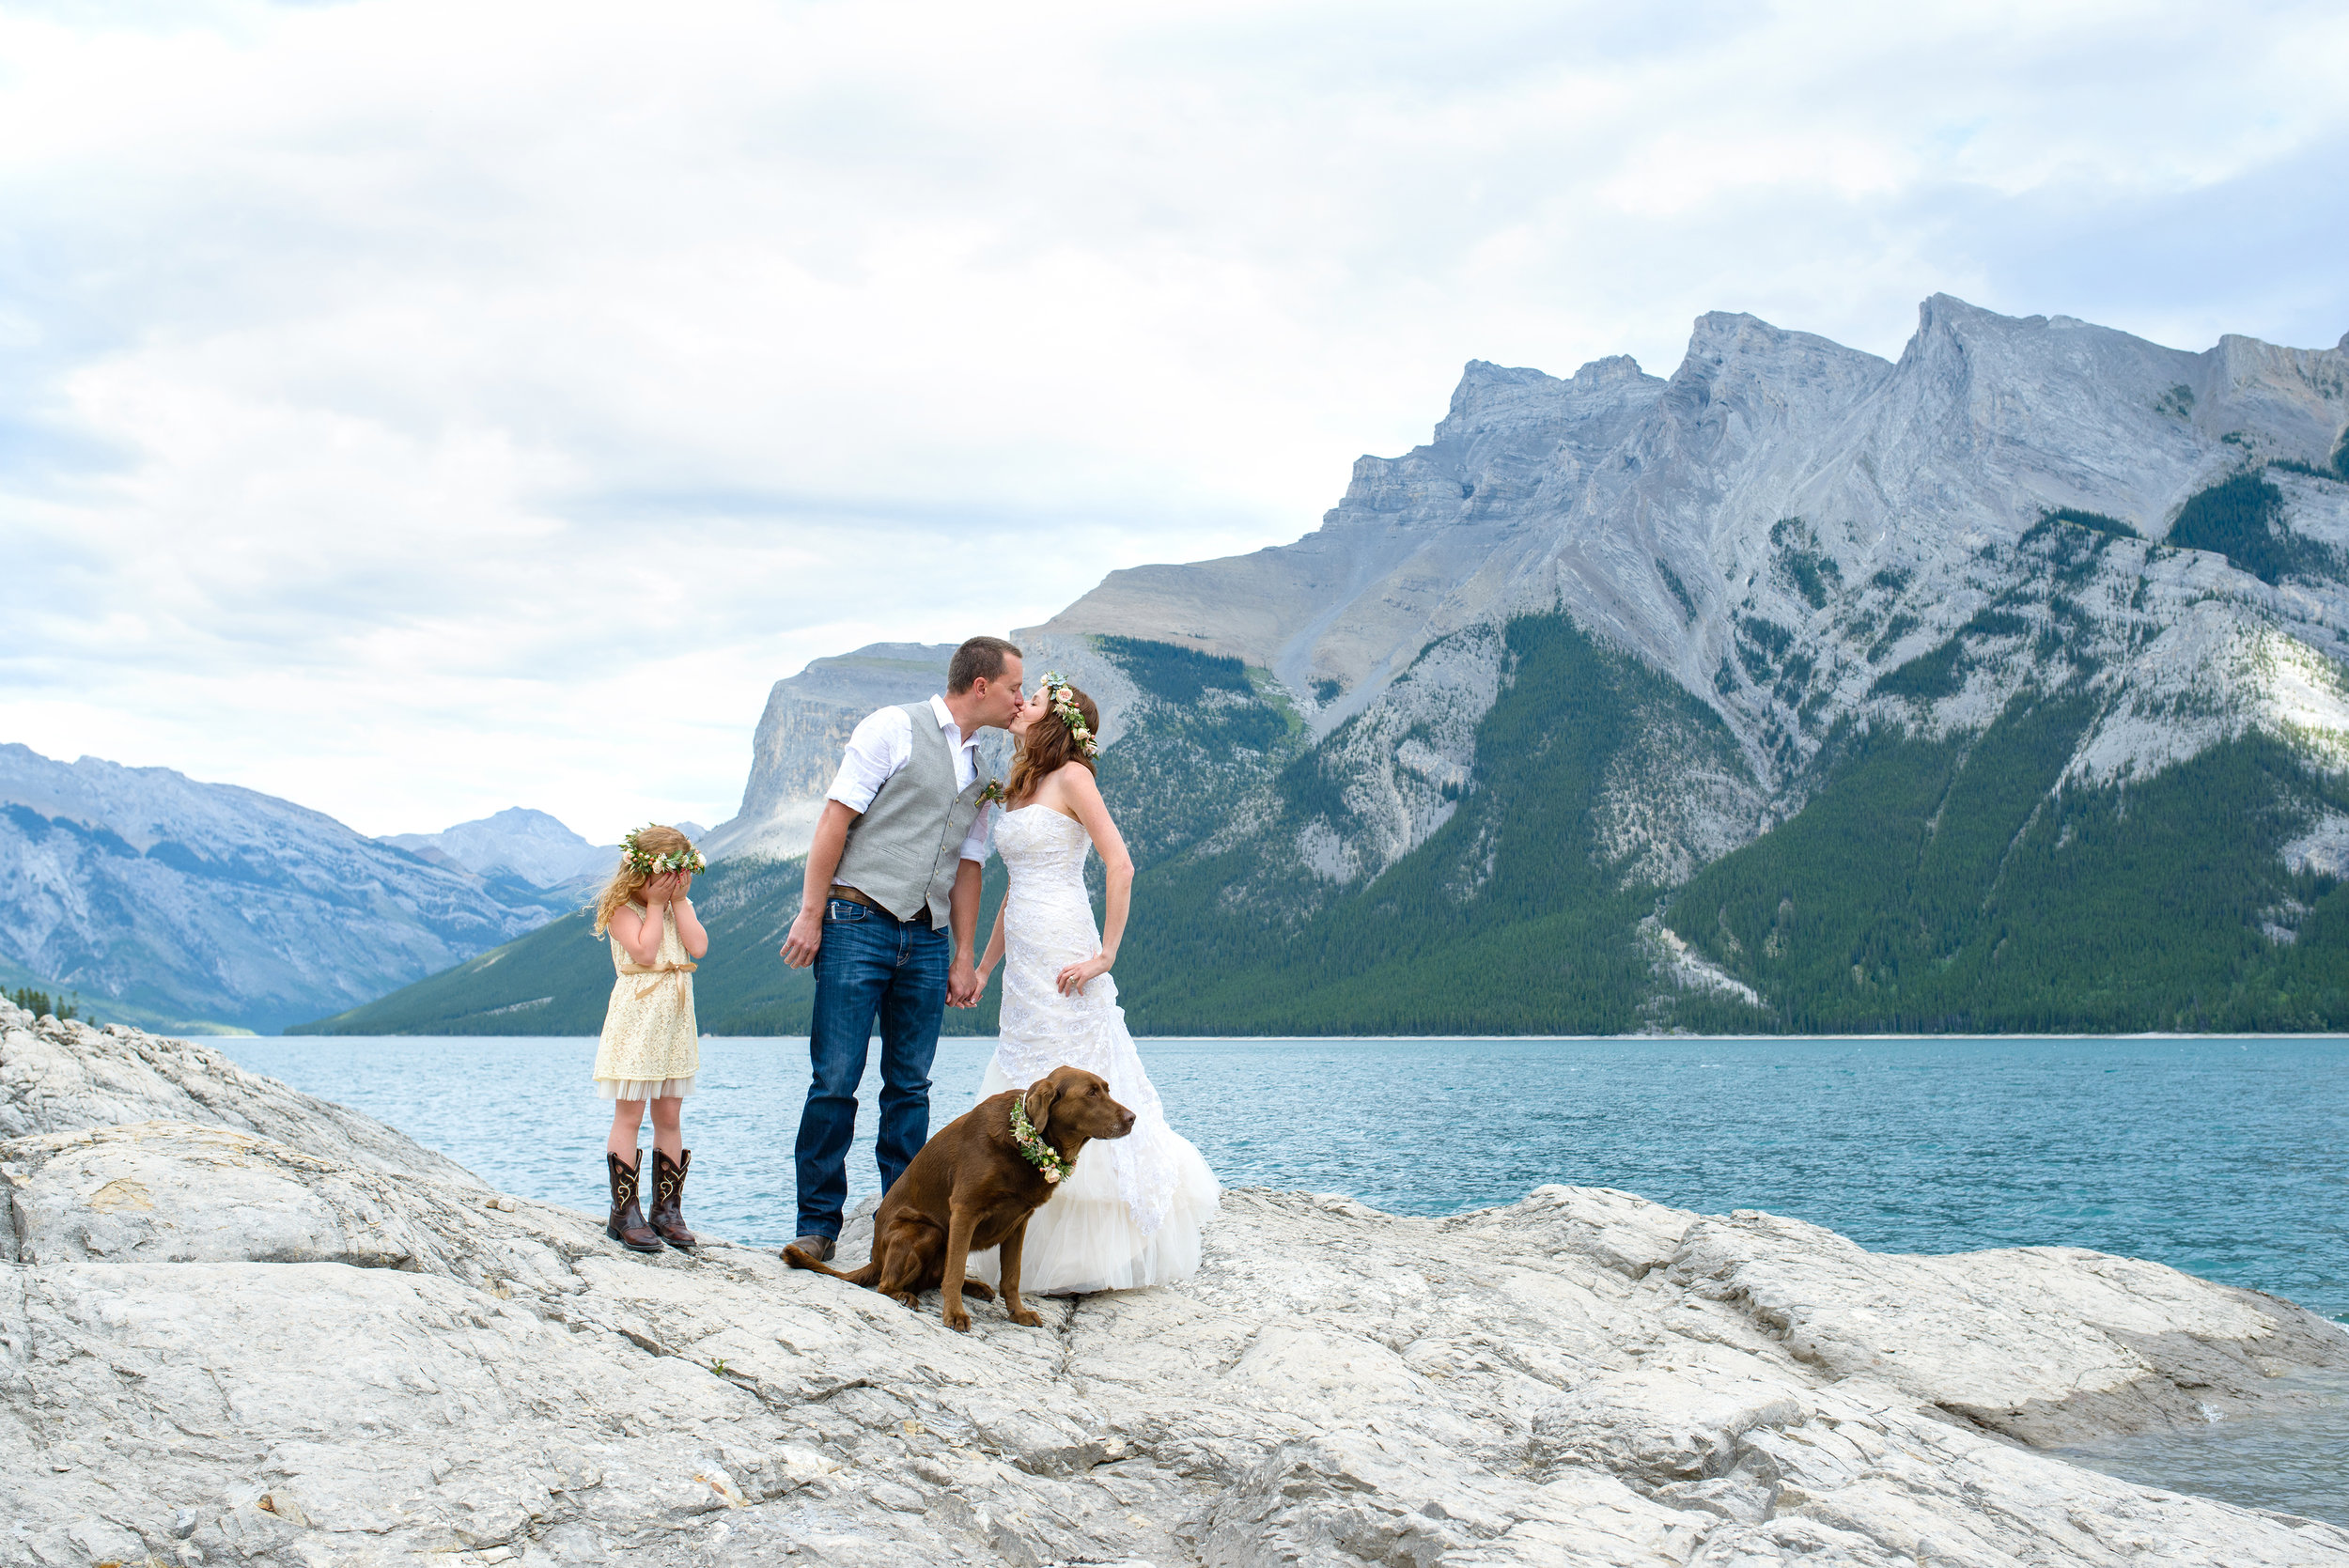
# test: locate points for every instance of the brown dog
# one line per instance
(970, 1188)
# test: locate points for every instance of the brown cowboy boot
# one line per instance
(627, 1225)
(668, 1197)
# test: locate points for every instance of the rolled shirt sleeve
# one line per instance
(880, 744)
(974, 846)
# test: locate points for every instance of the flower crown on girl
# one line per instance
(1063, 700)
(647, 863)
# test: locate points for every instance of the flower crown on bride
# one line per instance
(1063, 700)
(644, 863)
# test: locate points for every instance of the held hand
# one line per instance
(962, 984)
(806, 936)
(1072, 979)
(661, 890)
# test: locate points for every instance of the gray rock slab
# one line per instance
(65, 1077)
(223, 1347)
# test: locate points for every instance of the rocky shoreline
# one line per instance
(241, 1325)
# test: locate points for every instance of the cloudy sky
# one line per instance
(416, 409)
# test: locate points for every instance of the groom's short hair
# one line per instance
(980, 658)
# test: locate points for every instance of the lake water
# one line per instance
(2222, 1157)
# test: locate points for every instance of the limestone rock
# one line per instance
(809, 717)
(800, 735)
(221, 1348)
(1777, 525)
(529, 845)
(798, 744)
(69, 1077)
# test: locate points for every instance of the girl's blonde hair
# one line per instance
(627, 882)
(1049, 745)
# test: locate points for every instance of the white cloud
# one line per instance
(416, 409)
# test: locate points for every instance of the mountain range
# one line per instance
(1997, 687)
(168, 902)
(527, 846)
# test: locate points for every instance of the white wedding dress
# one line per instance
(1131, 1211)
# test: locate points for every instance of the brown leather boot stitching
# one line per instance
(627, 1225)
(668, 1197)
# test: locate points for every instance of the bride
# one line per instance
(1130, 1212)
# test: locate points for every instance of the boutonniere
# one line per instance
(993, 793)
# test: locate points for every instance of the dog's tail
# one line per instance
(799, 1259)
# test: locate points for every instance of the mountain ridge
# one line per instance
(528, 846)
(1542, 729)
(161, 899)
(1810, 541)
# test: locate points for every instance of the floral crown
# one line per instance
(1063, 697)
(646, 862)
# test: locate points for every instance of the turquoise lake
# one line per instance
(2222, 1156)
(2225, 1157)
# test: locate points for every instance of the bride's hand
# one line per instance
(1072, 979)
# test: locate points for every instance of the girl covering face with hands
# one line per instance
(651, 1047)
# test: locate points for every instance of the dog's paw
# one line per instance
(1026, 1318)
(958, 1320)
(978, 1290)
(906, 1300)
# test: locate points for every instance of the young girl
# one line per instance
(650, 1050)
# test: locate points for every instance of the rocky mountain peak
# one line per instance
(1776, 524)
(806, 723)
(1611, 370)
(528, 846)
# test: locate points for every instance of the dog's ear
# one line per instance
(1041, 1094)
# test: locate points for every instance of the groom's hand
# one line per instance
(806, 936)
(962, 984)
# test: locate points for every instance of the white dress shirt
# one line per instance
(882, 743)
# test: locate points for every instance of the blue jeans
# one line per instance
(871, 965)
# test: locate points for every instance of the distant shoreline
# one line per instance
(1403, 1039)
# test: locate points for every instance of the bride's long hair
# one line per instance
(1049, 744)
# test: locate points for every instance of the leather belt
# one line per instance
(838, 891)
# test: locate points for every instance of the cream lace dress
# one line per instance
(1131, 1211)
(651, 1048)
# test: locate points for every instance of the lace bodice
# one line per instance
(1048, 926)
(1051, 912)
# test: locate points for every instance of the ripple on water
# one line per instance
(2293, 1458)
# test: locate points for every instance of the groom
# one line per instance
(893, 865)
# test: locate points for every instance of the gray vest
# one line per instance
(903, 852)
